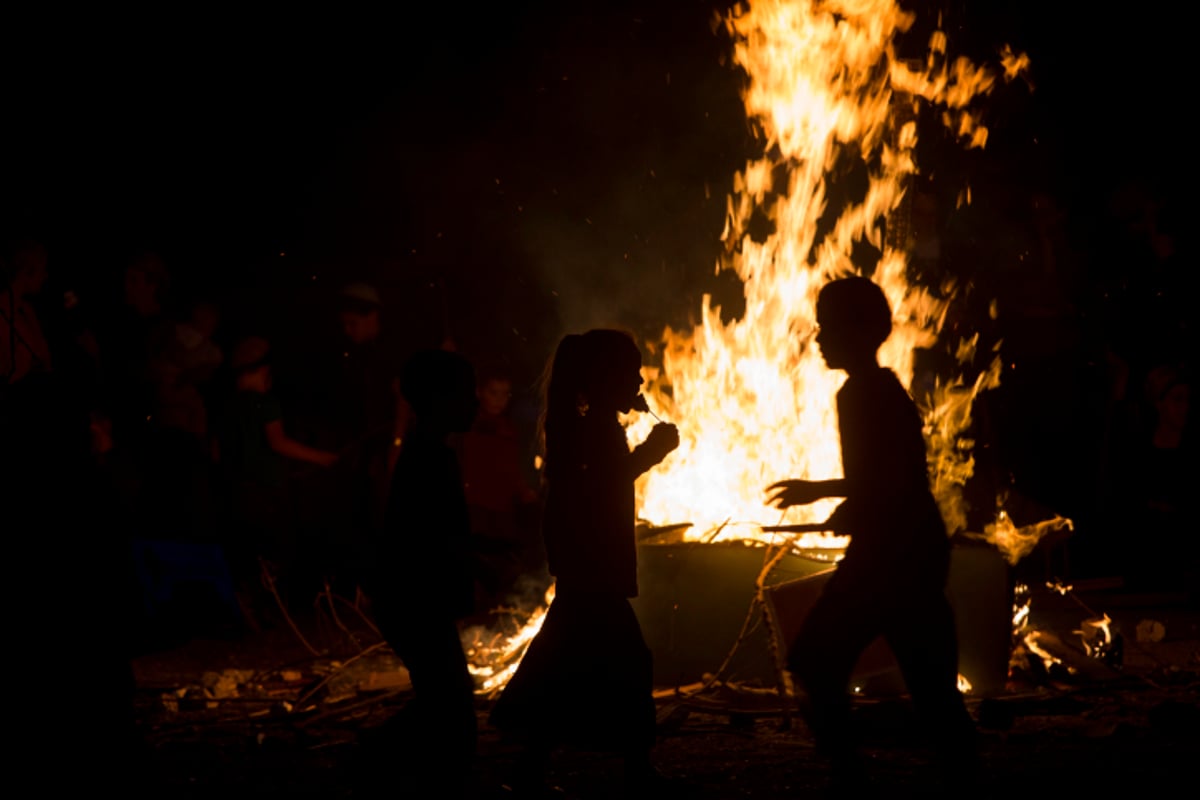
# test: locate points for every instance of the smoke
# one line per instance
(624, 159)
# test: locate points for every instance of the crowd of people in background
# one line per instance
(143, 440)
(265, 450)
(164, 481)
(229, 459)
(1094, 327)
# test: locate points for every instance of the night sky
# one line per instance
(503, 174)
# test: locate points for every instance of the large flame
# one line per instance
(752, 397)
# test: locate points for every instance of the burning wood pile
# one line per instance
(725, 580)
(835, 107)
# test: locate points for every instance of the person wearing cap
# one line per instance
(1154, 488)
(364, 402)
(253, 453)
(364, 417)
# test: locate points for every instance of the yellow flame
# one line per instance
(751, 397)
(1045, 655)
(492, 658)
(1096, 635)
(1016, 543)
(1016, 65)
(964, 685)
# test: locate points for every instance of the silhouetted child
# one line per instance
(135, 334)
(69, 574)
(1158, 479)
(422, 582)
(892, 579)
(498, 498)
(253, 453)
(24, 348)
(352, 404)
(591, 640)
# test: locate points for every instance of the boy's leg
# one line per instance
(924, 640)
(439, 722)
(442, 686)
(836, 631)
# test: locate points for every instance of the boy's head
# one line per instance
(440, 387)
(27, 267)
(1168, 389)
(495, 392)
(251, 364)
(359, 312)
(146, 281)
(205, 317)
(854, 319)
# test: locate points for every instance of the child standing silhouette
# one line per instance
(892, 579)
(591, 637)
(422, 582)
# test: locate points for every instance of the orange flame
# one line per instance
(492, 658)
(1016, 543)
(752, 398)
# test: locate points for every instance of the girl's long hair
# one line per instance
(582, 363)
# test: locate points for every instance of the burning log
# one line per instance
(837, 109)
(789, 604)
(695, 601)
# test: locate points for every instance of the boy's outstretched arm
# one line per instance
(784, 494)
(288, 447)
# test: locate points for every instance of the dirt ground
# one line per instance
(262, 715)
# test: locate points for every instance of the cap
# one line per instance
(250, 352)
(362, 293)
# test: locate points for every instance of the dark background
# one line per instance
(508, 172)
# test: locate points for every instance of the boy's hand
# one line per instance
(784, 494)
(327, 459)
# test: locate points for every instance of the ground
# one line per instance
(260, 715)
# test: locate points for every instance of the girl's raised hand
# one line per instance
(663, 438)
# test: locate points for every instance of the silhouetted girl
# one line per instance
(591, 641)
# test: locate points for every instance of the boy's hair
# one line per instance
(359, 298)
(429, 374)
(19, 255)
(489, 372)
(1162, 379)
(856, 304)
(249, 354)
(152, 268)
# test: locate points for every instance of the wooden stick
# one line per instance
(805, 527)
(269, 581)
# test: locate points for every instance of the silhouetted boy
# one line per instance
(255, 456)
(892, 579)
(499, 500)
(422, 582)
